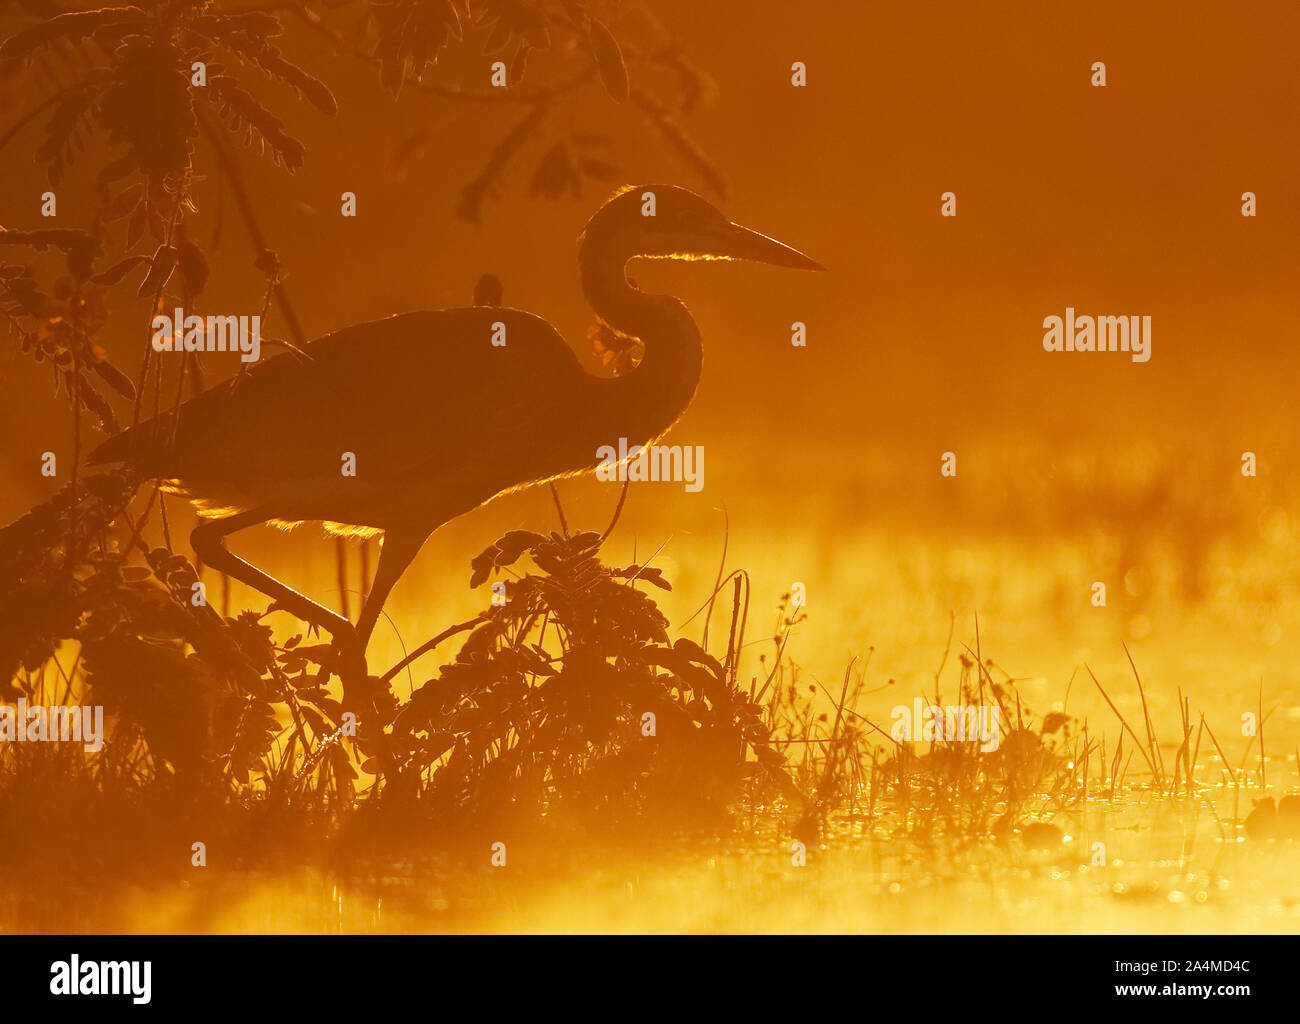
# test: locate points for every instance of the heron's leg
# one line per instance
(396, 552)
(208, 540)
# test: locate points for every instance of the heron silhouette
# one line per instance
(438, 418)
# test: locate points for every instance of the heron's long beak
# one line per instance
(744, 244)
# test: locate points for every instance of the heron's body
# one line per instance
(392, 394)
(438, 418)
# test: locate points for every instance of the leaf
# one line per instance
(410, 150)
(513, 544)
(481, 568)
(118, 169)
(518, 66)
(505, 551)
(193, 266)
(698, 654)
(487, 292)
(609, 61)
(643, 574)
(66, 239)
(586, 541)
(97, 404)
(316, 91)
(284, 146)
(1054, 721)
(119, 270)
(601, 170)
(62, 131)
(135, 228)
(76, 25)
(411, 36)
(154, 219)
(124, 202)
(116, 379)
(160, 271)
(498, 39)
(620, 352)
(556, 174)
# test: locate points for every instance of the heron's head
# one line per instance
(671, 222)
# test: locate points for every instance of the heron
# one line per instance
(439, 411)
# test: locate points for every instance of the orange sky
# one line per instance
(1122, 200)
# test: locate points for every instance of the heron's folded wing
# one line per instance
(398, 394)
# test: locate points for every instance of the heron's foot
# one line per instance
(344, 661)
(347, 659)
(348, 662)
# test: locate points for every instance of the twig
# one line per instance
(618, 511)
(236, 181)
(564, 526)
(1146, 714)
(717, 583)
(429, 645)
(1125, 724)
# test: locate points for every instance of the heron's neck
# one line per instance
(642, 404)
